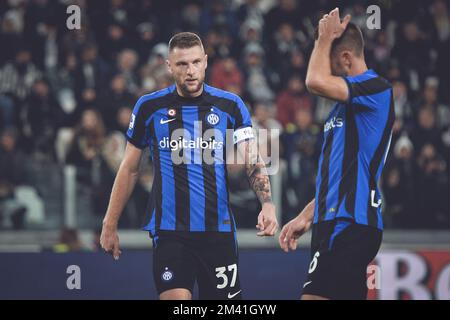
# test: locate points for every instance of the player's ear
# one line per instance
(206, 61)
(346, 58)
(169, 68)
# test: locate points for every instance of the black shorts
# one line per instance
(209, 258)
(341, 250)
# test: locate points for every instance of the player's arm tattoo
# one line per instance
(257, 172)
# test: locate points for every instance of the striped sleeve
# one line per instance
(243, 123)
(137, 133)
(366, 93)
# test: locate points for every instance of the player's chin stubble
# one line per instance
(189, 90)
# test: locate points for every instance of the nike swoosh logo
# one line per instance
(231, 296)
(306, 283)
(166, 121)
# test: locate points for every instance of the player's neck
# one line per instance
(358, 67)
(189, 95)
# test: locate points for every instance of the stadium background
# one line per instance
(66, 98)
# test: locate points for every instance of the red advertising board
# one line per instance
(406, 275)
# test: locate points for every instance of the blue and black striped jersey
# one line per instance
(357, 136)
(192, 194)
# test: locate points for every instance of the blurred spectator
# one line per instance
(87, 142)
(115, 98)
(86, 154)
(442, 71)
(432, 192)
(7, 112)
(11, 34)
(257, 77)
(115, 142)
(399, 186)
(358, 12)
(286, 11)
(403, 111)
(251, 22)
(250, 32)
(40, 12)
(69, 241)
(64, 86)
(219, 44)
(95, 244)
(381, 51)
(282, 45)
(112, 154)
(292, 99)
(301, 147)
(190, 17)
(40, 117)
(146, 11)
(296, 66)
(115, 41)
(395, 213)
(153, 73)
(430, 100)
(441, 19)
(427, 131)
(263, 118)
(417, 65)
(92, 75)
(73, 42)
(127, 62)
(17, 78)
(45, 46)
(217, 15)
(250, 10)
(146, 39)
(12, 174)
(225, 73)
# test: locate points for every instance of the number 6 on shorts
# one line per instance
(313, 264)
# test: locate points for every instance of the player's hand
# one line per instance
(109, 240)
(293, 230)
(331, 27)
(267, 220)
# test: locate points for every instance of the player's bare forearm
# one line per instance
(295, 228)
(259, 181)
(257, 172)
(319, 69)
(319, 78)
(124, 184)
(308, 212)
(121, 191)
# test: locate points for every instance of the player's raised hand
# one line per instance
(109, 240)
(331, 26)
(267, 221)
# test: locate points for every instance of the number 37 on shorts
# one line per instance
(224, 274)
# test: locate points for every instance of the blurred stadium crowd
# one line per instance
(66, 95)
